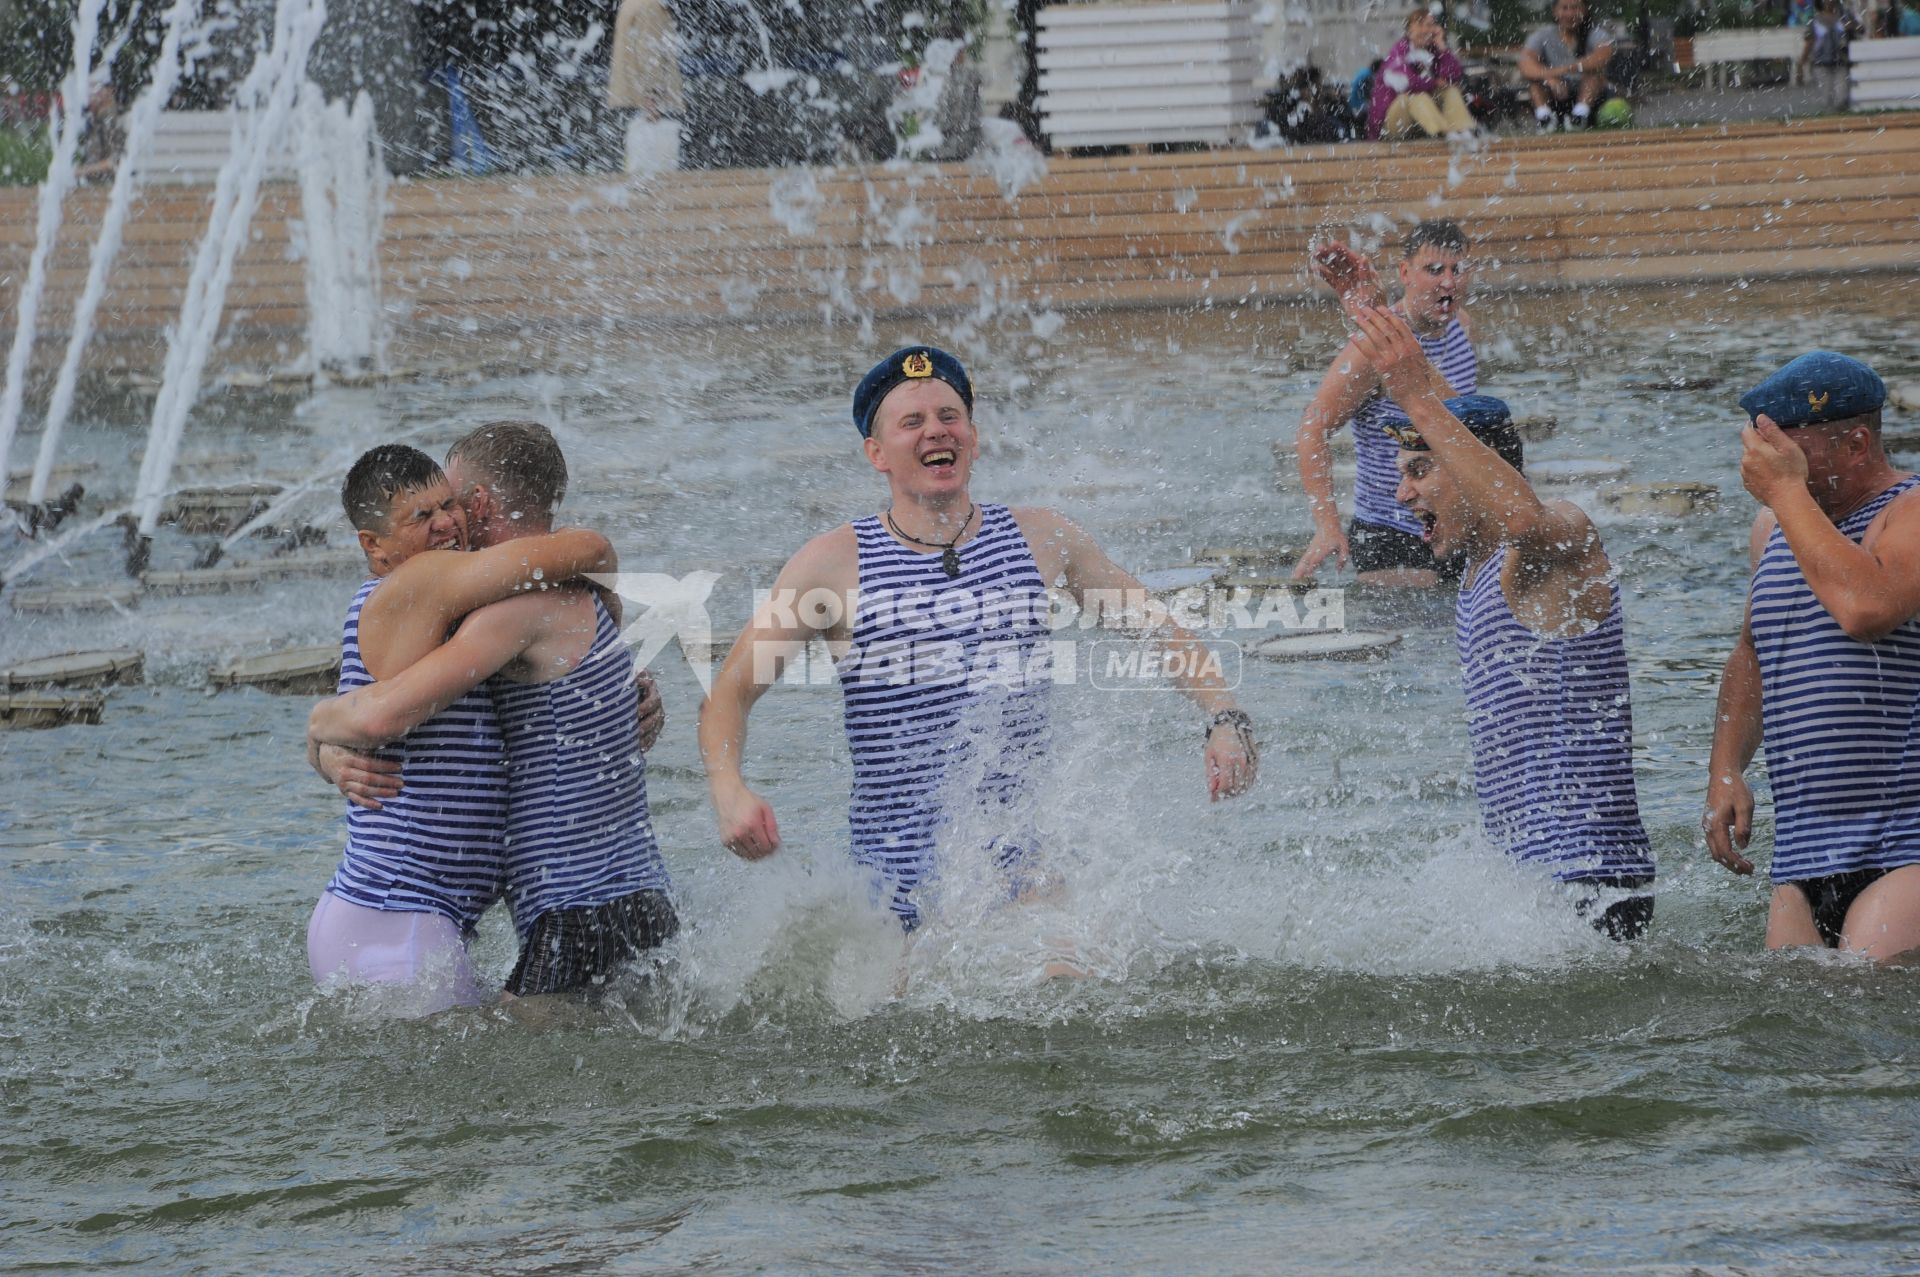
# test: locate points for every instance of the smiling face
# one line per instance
(1435, 283)
(1569, 13)
(1429, 491)
(428, 518)
(1424, 31)
(923, 440)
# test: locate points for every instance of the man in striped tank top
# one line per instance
(1383, 541)
(1541, 637)
(936, 609)
(423, 857)
(584, 873)
(1826, 672)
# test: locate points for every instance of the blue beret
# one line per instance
(1819, 386)
(1487, 417)
(909, 363)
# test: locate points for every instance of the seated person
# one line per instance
(1418, 85)
(1565, 65)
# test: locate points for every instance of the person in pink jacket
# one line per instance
(1418, 86)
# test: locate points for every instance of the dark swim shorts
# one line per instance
(571, 950)
(1623, 919)
(1832, 896)
(1378, 548)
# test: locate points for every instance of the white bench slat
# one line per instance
(1148, 55)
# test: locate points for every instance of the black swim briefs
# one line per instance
(570, 950)
(1378, 548)
(1625, 919)
(1832, 896)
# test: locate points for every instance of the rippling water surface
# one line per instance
(1328, 1030)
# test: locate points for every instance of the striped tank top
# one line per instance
(578, 830)
(1841, 722)
(946, 689)
(435, 847)
(1551, 721)
(1376, 455)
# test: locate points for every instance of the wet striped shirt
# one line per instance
(1552, 727)
(435, 847)
(946, 691)
(578, 830)
(1376, 455)
(1841, 722)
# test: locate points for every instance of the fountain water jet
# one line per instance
(343, 191)
(67, 126)
(260, 117)
(143, 120)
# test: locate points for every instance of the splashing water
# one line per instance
(260, 116)
(142, 121)
(343, 183)
(53, 194)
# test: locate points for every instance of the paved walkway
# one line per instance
(1720, 106)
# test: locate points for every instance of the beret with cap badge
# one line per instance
(1818, 387)
(909, 363)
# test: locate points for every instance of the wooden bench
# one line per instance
(1886, 74)
(190, 148)
(1714, 49)
(1133, 74)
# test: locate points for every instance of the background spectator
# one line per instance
(1565, 65)
(1829, 31)
(1418, 85)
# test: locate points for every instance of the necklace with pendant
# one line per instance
(949, 556)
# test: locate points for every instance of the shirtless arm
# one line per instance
(1230, 758)
(1870, 592)
(774, 635)
(1728, 820)
(411, 612)
(390, 708)
(1348, 382)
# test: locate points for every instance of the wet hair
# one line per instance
(518, 461)
(380, 475)
(1438, 232)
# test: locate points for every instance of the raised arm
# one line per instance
(1231, 758)
(1342, 391)
(1871, 593)
(777, 633)
(1728, 819)
(1545, 533)
(390, 708)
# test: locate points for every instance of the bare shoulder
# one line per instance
(1040, 522)
(830, 559)
(1900, 520)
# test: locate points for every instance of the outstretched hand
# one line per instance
(1326, 544)
(1233, 762)
(1349, 274)
(1771, 463)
